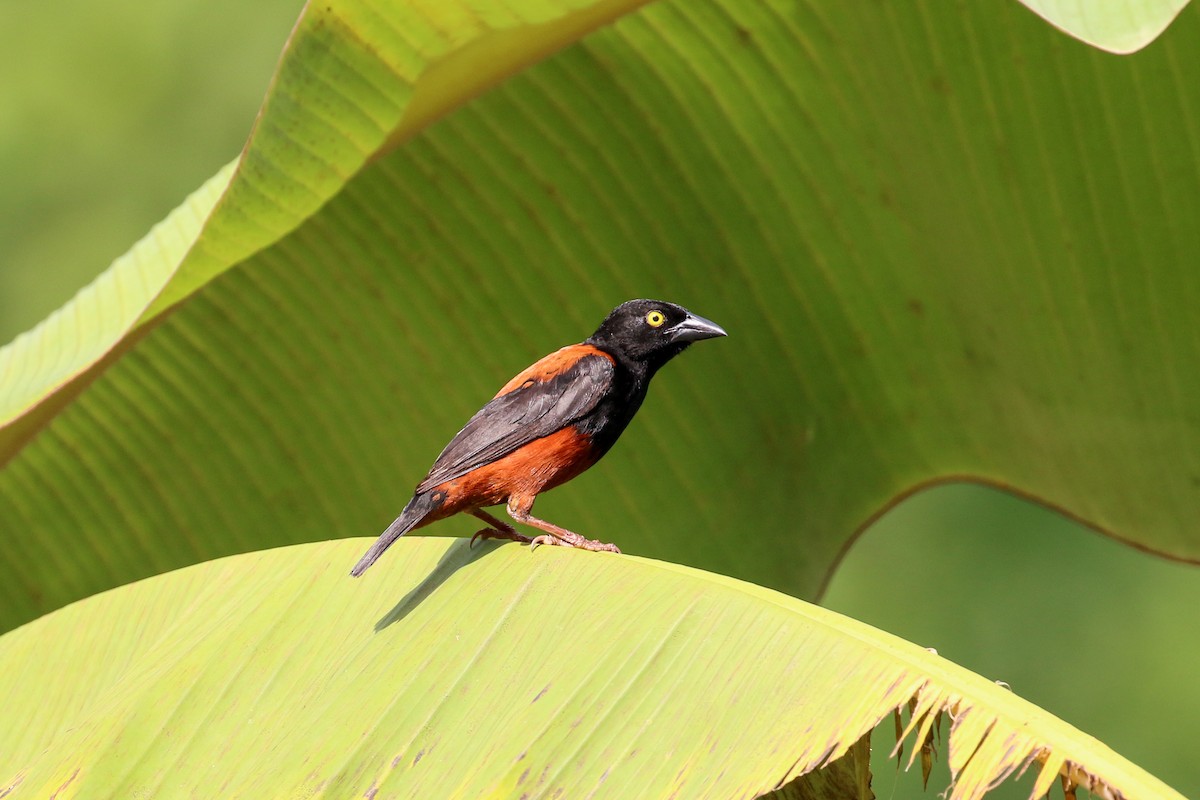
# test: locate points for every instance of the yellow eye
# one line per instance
(655, 319)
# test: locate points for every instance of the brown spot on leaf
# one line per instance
(67, 783)
(12, 787)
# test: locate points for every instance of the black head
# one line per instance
(651, 332)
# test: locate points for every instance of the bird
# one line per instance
(547, 425)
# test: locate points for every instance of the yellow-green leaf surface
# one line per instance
(1119, 26)
(946, 242)
(498, 672)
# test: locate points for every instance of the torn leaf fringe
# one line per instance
(991, 757)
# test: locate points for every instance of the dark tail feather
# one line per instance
(409, 518)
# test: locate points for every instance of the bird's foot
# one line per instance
(494, 533)
(574, 540)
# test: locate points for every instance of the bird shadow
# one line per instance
(457, 556)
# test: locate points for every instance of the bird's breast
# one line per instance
(612, 415)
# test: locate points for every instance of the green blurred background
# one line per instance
(110, 114)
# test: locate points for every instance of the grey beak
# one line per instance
(694, 328)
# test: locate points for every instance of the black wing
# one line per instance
(534, 409)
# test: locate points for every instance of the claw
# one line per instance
(582, 543)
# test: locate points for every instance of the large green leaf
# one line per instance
(496, 672)
(946, 242)
(356, 77)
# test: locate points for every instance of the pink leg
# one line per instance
(553, 534)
